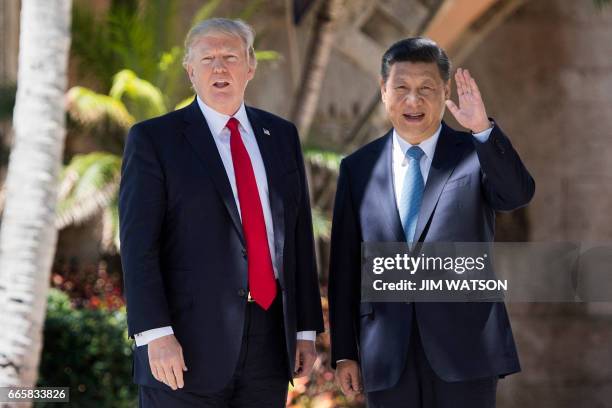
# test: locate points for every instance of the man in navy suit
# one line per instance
(423, 182)
(216, 240)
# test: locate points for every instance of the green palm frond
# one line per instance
(164, 24)
(171, 77)
(206, 11)
(169, 58)
(132, 41)
(321, 224)
(147, 99)
(89, 108)
(68, 180)
(184, 102)
(267, 55)
(88, 184)
(91, 44)
(250, 9)
(110, 228)
(323, 159)
(130, 34)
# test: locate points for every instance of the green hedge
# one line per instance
(87, 350)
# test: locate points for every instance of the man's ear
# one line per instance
(447, 89)
(251, 71)
(383, 90)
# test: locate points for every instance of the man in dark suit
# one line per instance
(423, 182)
(216, 240)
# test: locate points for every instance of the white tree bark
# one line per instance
(28, 235)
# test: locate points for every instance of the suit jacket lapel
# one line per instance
(446, 157)
(274, 171)
(383, 175)
(198, 134)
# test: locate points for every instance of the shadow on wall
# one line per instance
(512, 226)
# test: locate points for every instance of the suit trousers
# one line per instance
(420, 387)
(261, 376)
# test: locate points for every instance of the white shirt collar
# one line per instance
(217, 121)
(428, 145)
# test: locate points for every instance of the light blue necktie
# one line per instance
(412, 193)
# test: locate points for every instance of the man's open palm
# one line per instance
(470, 113)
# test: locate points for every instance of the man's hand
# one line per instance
(471, 113)
(305, 357)
(166, 361)
(349, 378)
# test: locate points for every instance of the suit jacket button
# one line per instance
(241, 292)
(244, 253)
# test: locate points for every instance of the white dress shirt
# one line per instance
(221, 135)
(400, 161)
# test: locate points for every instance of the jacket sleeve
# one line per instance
(142, 203)
(344, 274)
(507, 183)
(308, 297)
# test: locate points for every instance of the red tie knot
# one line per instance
(232, 124)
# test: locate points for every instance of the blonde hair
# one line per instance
(237, 28)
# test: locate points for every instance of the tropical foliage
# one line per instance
(129, 74)
(87, 349)
(148, 82)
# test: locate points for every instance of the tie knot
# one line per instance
(232, 124)
(415, 152)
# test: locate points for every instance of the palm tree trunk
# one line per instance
(317, 58)
(28, 235)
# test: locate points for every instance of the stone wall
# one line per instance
(545, 76)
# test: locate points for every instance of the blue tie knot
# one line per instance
(415, 152)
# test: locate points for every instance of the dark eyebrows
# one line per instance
(421, 80)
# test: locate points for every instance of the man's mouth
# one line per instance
(220, 84)
(414, 117)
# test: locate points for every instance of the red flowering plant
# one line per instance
(90, 286)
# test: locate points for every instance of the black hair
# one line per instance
(416, 49)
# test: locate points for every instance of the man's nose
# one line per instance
(413, 99)
(218, 65)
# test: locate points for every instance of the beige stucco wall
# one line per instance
(546, 76)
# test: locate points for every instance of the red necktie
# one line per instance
(262, 284)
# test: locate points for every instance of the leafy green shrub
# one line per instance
(87, 350)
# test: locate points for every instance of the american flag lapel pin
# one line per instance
(266, 131)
